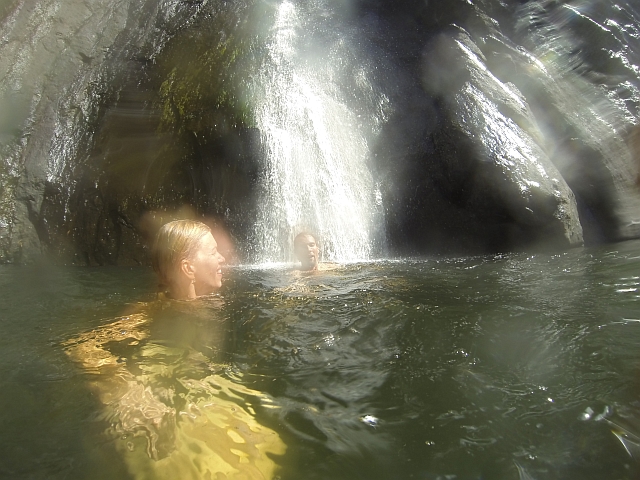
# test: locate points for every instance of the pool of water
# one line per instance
(514, 366)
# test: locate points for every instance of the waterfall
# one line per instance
(315, 144)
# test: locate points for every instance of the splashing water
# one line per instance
(316, 175)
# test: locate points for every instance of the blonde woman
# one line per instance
(174, 413)
(185, 256)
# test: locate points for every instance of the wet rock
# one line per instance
(64, 61)
(486, 182)
(585, 97)
(45, 94)
(506, 170)
(545, 89)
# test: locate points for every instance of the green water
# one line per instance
(503, 367)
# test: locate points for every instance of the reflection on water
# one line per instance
(171, 411)
(506, 367)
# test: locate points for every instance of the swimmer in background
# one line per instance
(307, 251)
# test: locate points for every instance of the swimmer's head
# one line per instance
(186, 259)
(306, 250)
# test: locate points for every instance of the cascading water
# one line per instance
(315, 146)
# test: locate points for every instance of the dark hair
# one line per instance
(300, 238)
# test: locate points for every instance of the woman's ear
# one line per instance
(187, 269)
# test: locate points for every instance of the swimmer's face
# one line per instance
(307, 251)
(207, 266)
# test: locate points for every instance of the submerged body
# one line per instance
(172, 411)
(169, 422)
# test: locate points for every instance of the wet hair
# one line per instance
(300, 238)
(174, 242)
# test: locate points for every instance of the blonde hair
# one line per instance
(174, 242)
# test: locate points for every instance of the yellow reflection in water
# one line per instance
(173, 418)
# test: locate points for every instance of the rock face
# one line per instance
(508, 126)
(48, 59)
(487, 180)
(55, 64)
(510, 148)
(82, 155)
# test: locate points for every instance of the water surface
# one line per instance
(514, 366)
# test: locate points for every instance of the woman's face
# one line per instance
(207, 264)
